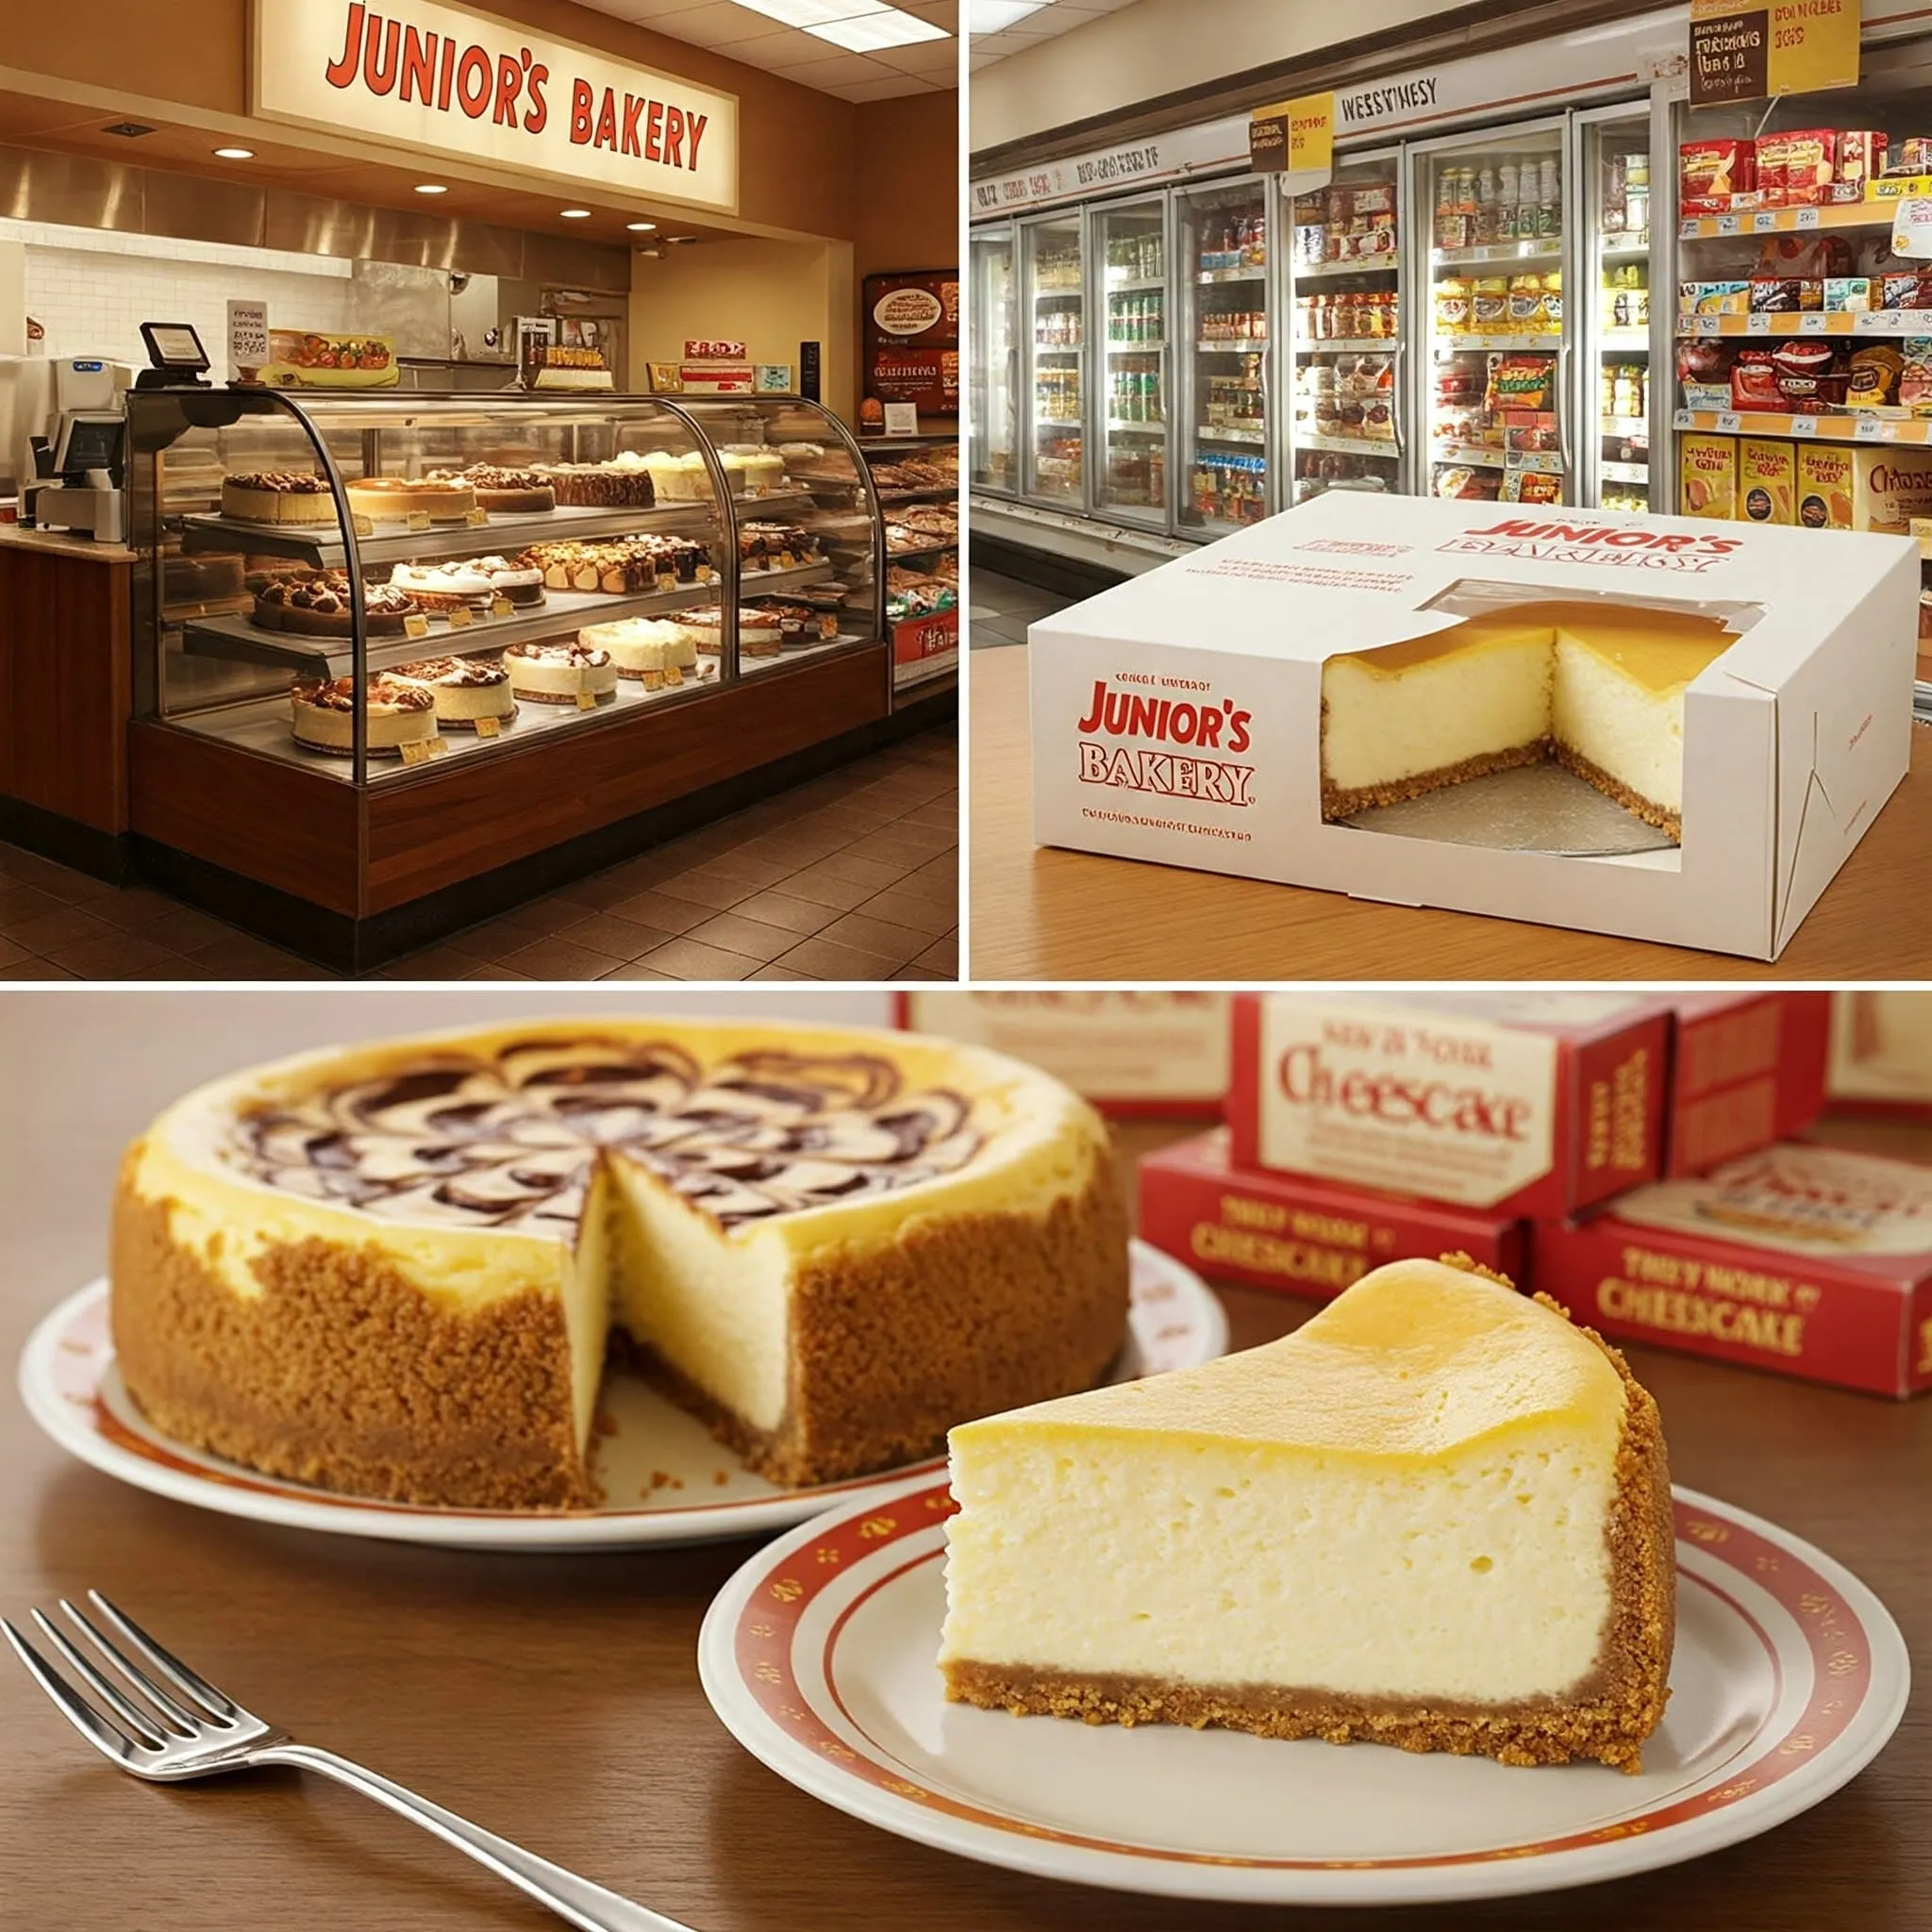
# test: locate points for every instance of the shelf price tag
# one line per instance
(1813, 324)
(421, 752)
(489, 728)
(417, 520)
(415, 625)
(501, 607)
(1684, 419)
(1804, 425)
(459, 617)
(1727, 224)
(362, 526)
(476, 517)
(1729, 422)
(587, 701)
(1869, 429)
(1805, 218)
(1763, 223)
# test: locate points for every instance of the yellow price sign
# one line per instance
(1749, 52)
(1295, 138)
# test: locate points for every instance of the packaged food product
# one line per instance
(1793, 168)
(1525, 305)
(1710, 173)
(1915, 375)
(1873, 376)
(1722, 298)
(1767, 480)
(1848, 294)
(1904, 288)
(1785, 294)
(1707, 476)
(1797, 254)
(1889, 487)
(1808, 374)
(1520, 382)
(1452, 306)
(1490, 305)
(1754, 382)
(1531, 486)
(1861, 155)
(1553, 302)
(1825, 485)
(1912, 156)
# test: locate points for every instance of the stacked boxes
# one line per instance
(1820, 485)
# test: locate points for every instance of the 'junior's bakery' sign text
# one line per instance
(439, 77)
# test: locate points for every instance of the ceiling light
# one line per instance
(128, 131)
(995, 16)
(811, 13)
(234, 154)
(431, 187)
(641, 228)
(869, 31)
(575, 214)
(680, 240)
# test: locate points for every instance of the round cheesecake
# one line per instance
(523, 492)
(323, 715)
(391, 499)
(759, 631)
(444, 586)
(518, 584)
(278, 496)
(462, 688)
(648, 648)
(393, 1270)
(559, 671)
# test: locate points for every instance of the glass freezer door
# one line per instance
(1221, 244)
(1613, 305)
(1055, 323)
(1127, 245)
(1492, 389)
(994, 377)
(1344, 354)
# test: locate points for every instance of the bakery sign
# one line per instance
(447, 79)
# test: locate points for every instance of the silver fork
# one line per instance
(186, 1730)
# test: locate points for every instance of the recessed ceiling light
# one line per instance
(130, 130)
(680, 239)
(234, 154)
(575, 214)
(866, 32)
(808, 14)
(641, 228)
(995, 16)
(431, 187)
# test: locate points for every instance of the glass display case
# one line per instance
(992, 381)
(1615, 319)
(1055, 321)
(916, 481)
(368, 586)
(1129, 252)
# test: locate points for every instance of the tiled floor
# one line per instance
(1001, 608)
(854, 875)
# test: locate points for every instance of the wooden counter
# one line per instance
(1044, 914)
(65, 696)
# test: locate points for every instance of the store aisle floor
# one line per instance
(1000, 609)
(854, 875)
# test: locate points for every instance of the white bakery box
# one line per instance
(1793, 737)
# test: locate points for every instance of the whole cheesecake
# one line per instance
(393, 1270)
(1599, 687)
(1437, 1515)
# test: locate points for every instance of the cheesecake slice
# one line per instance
(1599, 687)
(1438, 1516)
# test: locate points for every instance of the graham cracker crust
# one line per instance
(1669, 823)
(1336, 804)
(1605, 1718)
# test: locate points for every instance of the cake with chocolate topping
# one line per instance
(393, 1270)
(622, 483)
(278, 496)
(560, 670)
(523, 492)
(323, 714)
(321, 605)
(462, 688)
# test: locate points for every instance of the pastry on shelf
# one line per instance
(395, 499)
(799, 624)
(444, 586)
(462, 688)
(652, 650)
(625, 482)
(760, 633)
(321, 605)
(767, 545)
(560, 670)
(323, 714)
(278, 496)
(504, 492)
(625, 566)
(518, 584)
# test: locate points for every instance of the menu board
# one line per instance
(912, 340)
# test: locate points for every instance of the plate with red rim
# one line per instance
(665, 1479)
(818, 1656)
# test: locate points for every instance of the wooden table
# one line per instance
(1040, 914)
(556, 1698)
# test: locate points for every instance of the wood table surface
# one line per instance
(556, 1698)
(1053, 915)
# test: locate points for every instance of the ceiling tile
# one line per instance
(835, 69)
(710, 24)
(890, 89)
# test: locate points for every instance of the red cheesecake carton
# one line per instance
(1516, 1103)
(1881, 1053)
(1812, 1261)
(1303, 1237)
(1746, 1069)
(1135, 1055)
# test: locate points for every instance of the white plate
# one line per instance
(819, 1654)
(665, 1477)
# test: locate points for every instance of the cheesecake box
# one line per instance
(1881, 1053)
(1746, 1069)
(1178, 718)
(1809, 1260)
(1503, 1103)
(1300, 1236)
(1148, 1054)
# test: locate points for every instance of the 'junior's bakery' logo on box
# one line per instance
(1170, 736)
(1617, 546)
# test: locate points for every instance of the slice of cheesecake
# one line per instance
(1437, 1516)
(1599, 687)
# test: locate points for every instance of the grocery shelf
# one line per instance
(1875, 212)
(1350, 446)
(1041, 292)
(1861, 427)
(1057, 423)
(1058, 348)
(1545, 248)
(1122, 423)
(1624, 425)
(1624, 472)
(1474, 455)
(1134, 287)
(1546, 343)
(1879, 322)
(1544, 462)
(1343, 345)
(1239, 345)
(1211, 432)
(1209, 275)
(1320, 270)
(1135, 348)
(1625, 251)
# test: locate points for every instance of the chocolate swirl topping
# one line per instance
(511, 1139)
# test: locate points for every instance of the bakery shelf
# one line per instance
(1382, 264)
(1881, 322)
(934, 549)
(1058, 348)
(1342, 346)
(1350, 446)
(241, 641)
(1539, 248)
(1626, 251)
(1861, 427)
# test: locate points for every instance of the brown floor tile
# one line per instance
(180, 928)
(601, 892)
(801, 846)
(826, 960)
(900, 944)
(10, 953)
(755, 871)
(903, 845)
(18, 900)
(613, 933)
(705, 887)
(943, 815)
(855, 816)
(736, 933)
(777, 971)
(873, 874)
(943, 955)
(690, 958)
(241, 956)
(655, 907)
(799, 917)
(492, 971)
(30, 868)
(37, 968)
(931, 914)
(559, 959)
(636, 969)
(135, 910)
(120, 956)
(923, 972)
(824, 889)
(450, 959)
(66, 925)
(941, 865)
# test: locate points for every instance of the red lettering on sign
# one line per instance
(380, 55)
(476, 82)
(509, 84)
(606, 122)
(653, 132)
(539, 117)
(447, 80)
(419, 67)
(694, 125)
(673, 137)
(633, 107)
(581, 103)
(342, 70)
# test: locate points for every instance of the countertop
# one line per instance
(556, 1699)
(58, 543)
(1046, 914)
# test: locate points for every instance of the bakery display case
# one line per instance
(417, 619)
(916, 480)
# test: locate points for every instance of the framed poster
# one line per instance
(912, 340)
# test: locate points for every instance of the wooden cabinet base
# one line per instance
(354, 879)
